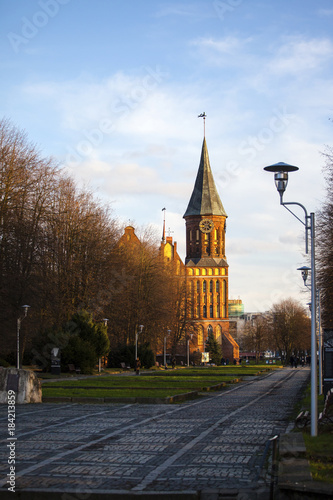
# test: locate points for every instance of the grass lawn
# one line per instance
(320, 454)
(319, 449)
(114, 386)
(155, 384)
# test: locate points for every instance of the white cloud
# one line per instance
(325, 12)
(298, 55)
(227, 45)
(182, 10)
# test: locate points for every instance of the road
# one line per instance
(215, 443)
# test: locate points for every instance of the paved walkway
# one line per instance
(217, 442)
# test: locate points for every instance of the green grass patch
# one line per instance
(194, 382)
(152, 384)
(319, 451)
(217, 371)
(129, 386)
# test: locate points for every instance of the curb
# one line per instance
(177, 398)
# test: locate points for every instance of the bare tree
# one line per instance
(256, 335)
(290, 328)
(324, 241)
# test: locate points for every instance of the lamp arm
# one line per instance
(305, 224)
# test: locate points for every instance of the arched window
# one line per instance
(198, 286)
(205, 311)
(219, 334)
(217, 287)
(200, 335)
(211, 286)
(204, 286)
(211, 311)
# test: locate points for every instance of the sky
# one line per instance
(113, 89)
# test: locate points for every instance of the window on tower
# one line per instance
(204, 286)
(211, 310)
(205, 311)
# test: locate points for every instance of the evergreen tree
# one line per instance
(214, 349)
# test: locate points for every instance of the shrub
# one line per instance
(126, 354)
(80, 353)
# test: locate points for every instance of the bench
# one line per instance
(324, 416)
(303, 418)
(124, 366)
(72, 369)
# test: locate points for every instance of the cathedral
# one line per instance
(206, 267)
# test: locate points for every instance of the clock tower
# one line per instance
(206, 265)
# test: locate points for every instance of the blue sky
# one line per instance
(113, 90)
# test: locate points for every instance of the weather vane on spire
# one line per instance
(203, 115)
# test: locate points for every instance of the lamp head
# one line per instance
(281, 170)
(305, 272)
(26, 308)
(141, 328)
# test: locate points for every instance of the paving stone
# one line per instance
(210, 444)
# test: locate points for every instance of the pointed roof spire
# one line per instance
(205, 199)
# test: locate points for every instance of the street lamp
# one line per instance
(281, 171)
(305, 271)
(19, 321)
(136, 341)
(188, 349)
(105, 320)
(165, 337)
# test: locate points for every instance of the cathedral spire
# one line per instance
(205, 199)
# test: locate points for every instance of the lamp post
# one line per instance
(105, 320)
(188, 349)
(19, 321)
(165, 337)
(281, 171)
(305, 272)
(136, 341)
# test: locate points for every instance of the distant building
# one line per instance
(236, 308)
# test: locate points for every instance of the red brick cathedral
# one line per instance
(206, 267)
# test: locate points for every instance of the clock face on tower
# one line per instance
(206, 225)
